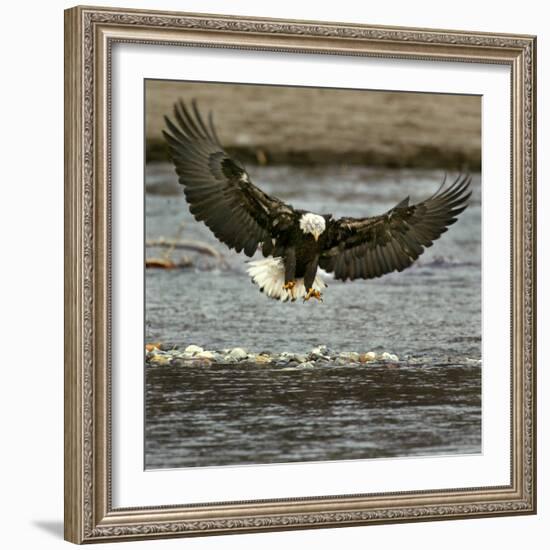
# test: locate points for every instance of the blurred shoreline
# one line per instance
(272, 125)
(424, 157)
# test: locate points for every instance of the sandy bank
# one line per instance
(284, 125)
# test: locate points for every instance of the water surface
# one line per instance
(429, 315)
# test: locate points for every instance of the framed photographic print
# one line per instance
(299, 274)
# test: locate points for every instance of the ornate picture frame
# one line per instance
(90, 34)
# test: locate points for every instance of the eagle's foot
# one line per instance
(312, 293)
(290, 285)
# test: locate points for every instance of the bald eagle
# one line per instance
(296, 243)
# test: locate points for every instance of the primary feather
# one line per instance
(218, 189)
(370, 247)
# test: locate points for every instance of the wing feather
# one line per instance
(370, 247)
(217, 188)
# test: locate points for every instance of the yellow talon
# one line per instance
(312, 293)
(289, 286)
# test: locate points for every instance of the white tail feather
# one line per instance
(269, 275)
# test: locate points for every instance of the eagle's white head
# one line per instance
(312, 223)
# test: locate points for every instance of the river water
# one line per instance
(429, 315)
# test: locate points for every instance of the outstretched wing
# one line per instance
(370, 247)
(218, 189)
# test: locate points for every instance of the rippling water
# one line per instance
(429, 315)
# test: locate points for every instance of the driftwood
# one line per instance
(163, 263)
(196, 246)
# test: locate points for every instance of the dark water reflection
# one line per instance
(255, 414)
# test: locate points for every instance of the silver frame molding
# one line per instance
(89, 36)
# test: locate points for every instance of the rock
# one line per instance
(367, 357)
(307, 365)
(152, 347)
(319, 350)
(300, 358)
(192, 350)
(388, 357)
(205, 355)
(160, 359)
(350, 356)
(262, 358)
(167, 346)
(237, 354)
(195, 362)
